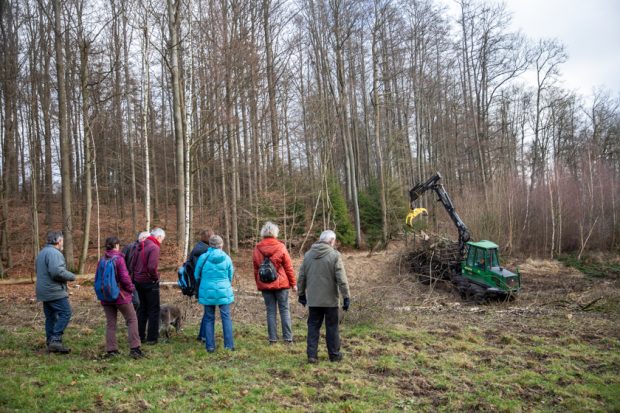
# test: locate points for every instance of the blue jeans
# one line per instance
(209, 326)
(57, 317)
(274, 300)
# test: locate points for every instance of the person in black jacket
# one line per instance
(130, 255)
(200, 248)
(190, 265)
(129, 250)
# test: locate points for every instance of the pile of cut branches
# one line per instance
(433, 259)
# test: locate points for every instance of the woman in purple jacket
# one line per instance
(122, 303)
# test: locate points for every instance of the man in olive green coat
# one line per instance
(321, 278)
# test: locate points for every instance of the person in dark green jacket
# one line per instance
(51, 289)
(321, 280)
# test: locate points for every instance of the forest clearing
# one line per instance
(178, 119)
(406, 348)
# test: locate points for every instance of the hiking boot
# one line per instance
(112, 353)
(136, 353)
(56, 346)
(336, 358)
(312, 360)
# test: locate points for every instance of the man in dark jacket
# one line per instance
(321, 277)
(190, 265)
(129, 251)
(51, 289)
(200, 248)
(146, 279)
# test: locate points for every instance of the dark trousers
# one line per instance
(57, 317)
(148, 312)
(315, 320)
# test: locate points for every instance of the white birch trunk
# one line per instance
(145, 108)
(174, 17)
(188, 134)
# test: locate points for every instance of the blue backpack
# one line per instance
(106, 286)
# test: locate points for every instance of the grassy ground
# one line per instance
(460, 368)
(407, 347)
(592, 266)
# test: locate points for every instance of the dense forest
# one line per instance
(314, 113)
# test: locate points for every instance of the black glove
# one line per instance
(302, 300)
(345, 304)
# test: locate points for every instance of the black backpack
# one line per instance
(130, 256)
(187, 282)
(267, 272)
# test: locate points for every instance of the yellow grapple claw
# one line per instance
(413, 214)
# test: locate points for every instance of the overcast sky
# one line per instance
(590, 31)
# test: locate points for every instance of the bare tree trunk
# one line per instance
(271, 86)
(65, 143)
(188, 137)
(307, 144)
(130, 134)
(88, 197)
(145, 110)
(553, 223)
(9, 130)
(43, 88)
(174, 21)
(377, 109)
(614, 217)
(224, 190)
(34, 148)
(344, 122)
(234, 246)
(118, 128)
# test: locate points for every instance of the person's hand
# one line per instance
(345, 304)
(295, 288)
(302, 300)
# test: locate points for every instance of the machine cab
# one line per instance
(482, 256)
(483, 267)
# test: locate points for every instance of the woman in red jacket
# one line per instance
(122, 304)
(275, 293)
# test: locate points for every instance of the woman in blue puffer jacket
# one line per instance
(214, 271)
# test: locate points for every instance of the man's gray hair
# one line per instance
(158, 232)
(327, 236)
(269, 230)
(143, 235)
(216, 241)
(54, 237)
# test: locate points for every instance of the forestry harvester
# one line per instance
(473, 267)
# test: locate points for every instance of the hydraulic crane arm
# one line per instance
(434, 185)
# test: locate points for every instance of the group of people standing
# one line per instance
(136, 271)
(320, 282)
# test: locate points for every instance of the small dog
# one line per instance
(169, 316)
